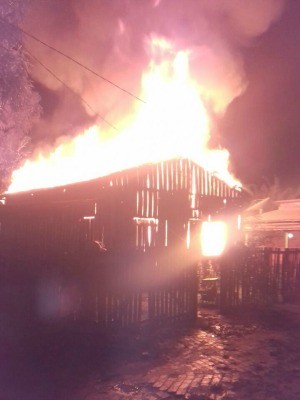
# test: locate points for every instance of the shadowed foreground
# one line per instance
(249, 356)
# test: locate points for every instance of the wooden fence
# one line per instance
(259, 276)
(111, 291)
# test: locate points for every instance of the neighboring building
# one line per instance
(273, 223)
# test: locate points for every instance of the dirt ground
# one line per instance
(247, 355)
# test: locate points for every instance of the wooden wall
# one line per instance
(113, 250)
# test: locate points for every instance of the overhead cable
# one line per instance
(70, 89)
(73, 60)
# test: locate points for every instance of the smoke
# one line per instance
(109, 37)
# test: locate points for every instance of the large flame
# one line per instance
(172, 124)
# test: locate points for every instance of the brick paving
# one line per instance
(220, 358)
(250, 362)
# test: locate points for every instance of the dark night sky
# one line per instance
(260, 126)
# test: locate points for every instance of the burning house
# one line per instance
(137, 230)
(114, 223)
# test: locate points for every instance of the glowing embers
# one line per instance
(213, 238)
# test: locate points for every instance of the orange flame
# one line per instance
(172, 124)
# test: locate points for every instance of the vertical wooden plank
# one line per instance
(162, 172)
(176, 175)
(180, 174)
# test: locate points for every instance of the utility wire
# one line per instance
(73, 59)
(64, 84)
(70, 89)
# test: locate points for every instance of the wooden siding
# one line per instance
(116, 250)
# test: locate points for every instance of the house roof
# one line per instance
(266, 215)
(262, 205)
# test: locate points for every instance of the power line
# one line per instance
(64, 84)
(73, 60)
(72, 90)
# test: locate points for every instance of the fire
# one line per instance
(213, 238)
(173, 123)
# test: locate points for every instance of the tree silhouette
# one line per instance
(273, 189)
(19, 103)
